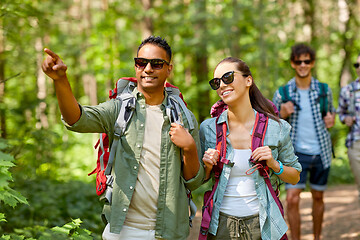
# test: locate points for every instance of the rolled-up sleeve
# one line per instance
(96, 119)
(286, 150)
(344, 99)
(196, 181)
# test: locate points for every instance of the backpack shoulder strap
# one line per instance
(323, 100)
(208, 205)
(257, 140)
(175, 103)
(259, 131)
(284, 92)
(127, 108)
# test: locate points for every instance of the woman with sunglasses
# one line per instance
(243, 207)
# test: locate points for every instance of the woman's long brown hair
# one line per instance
(257, 100)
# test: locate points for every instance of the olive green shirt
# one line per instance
(172, 218)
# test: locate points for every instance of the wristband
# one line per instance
(281, 168)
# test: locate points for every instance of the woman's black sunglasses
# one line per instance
(155, 63)
(356, 65)
(227, 78)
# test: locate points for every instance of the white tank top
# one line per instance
(240, 197)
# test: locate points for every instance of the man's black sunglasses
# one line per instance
(356, 65)
(227, 78)
(155, 63)
(298, 62)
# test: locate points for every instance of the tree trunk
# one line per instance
(42, 120)
(262, 45)
(89, 80)
(235, 30)
(2, 81)
(309, 12)
(201, 61)
(147, 23)
(348, 43)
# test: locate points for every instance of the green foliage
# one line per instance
(70, 231)
(100, 40)
(51, 203)
(8, 195)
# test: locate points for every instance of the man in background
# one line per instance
(349, 114)
(299, 102)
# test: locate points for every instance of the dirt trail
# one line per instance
(341, 219)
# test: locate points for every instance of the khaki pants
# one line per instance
(354, 158)
(128, 233)
(237, 228)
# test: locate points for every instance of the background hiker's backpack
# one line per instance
(323, 100)
(106, 153)
(257, 140)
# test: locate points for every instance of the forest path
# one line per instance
(341, 219)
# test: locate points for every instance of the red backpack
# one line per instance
(257, 140)
(106, 153)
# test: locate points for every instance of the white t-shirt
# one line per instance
(240, 197)
(306, 140)
(143, 206)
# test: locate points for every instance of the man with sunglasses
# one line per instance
(155, 159)
(349, 114)
(309, 135)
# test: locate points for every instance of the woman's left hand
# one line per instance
(264, 154)
(289, 174)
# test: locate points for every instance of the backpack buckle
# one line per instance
(109, 180)
(204, 231)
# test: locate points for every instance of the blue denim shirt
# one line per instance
(277, 137)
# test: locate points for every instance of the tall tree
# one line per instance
(200, 60)
(2, 80)
(41, 88)
(147, 22)
(348, 37)
(89, 80)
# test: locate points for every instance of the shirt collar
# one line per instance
(138, 95)
(313, 84)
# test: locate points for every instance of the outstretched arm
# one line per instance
(55, 68)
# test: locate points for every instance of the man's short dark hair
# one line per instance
(301, 48)
(158, 41)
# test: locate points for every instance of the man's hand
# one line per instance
(329, 119)
(181, 137)
(53, 66)
(286, 109)
(349, 121)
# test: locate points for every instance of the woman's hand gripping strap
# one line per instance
(257, 140)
